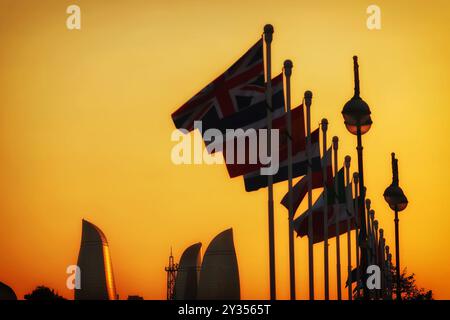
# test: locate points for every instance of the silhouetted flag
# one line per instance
(254, 181)
(234, 91)
(250, 162)
(300, 189)
(354, 275)
(344, 209)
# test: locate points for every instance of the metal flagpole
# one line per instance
(287, 73)
(368, 232)
(377, 254)
(382, 262)
(368, 294)
(375, 230)
(336, 213)
(308, 98)
(389, 266)
(325, 208)
(349, 239)
(372, 231)
(371, 237)
(268, 32)
(358, 276)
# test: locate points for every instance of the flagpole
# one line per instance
(382, 262)
(308, 98)
(338, 245)
(288, 72)
(268, 32)
(372, 232)
(368, 234)
(358, 276)
(377, 253)
(389, 266)
(325, 208)
(349, 239)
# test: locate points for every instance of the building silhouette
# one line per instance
(186, 282)
(219, 276)
(6, 293)
(94, 261)
(214, 278)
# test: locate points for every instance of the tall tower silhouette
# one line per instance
(171, 270)
(94, 261)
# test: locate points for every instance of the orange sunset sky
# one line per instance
(85, 132)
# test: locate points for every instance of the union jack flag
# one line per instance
(236, 90)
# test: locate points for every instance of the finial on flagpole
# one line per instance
(308, 97)
(335, 142)
(356, 177)
(368, 202)
(347, 161)
(268, 32)
(288, 67)
(324, 124)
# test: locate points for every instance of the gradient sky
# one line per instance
(85, 132)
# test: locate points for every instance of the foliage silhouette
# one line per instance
(42, 293)
(408, 287)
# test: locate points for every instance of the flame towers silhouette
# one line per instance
(94, 261)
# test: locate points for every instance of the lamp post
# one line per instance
(397, 201)
(356, 113)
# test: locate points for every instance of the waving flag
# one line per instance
(254, 181)
(300, 189)
(250, 163)
(342, 210)
(252, 117)
(239, 89)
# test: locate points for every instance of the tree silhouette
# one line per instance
(42, 293)
(408, 287)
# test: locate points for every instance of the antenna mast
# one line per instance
(171, 275)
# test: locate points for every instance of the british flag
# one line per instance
(229, 102)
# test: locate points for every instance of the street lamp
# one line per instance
(397, 201)
(356, 113)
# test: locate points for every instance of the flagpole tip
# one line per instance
(268, 28)
(288, 67)
(335, 142)
(324, 124)
(348, 159)
(308, 97)
(268, 31)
